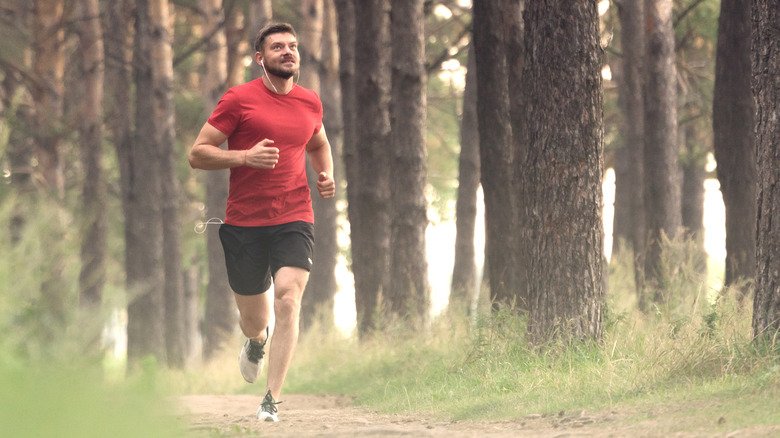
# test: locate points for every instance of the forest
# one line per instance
(536, 179)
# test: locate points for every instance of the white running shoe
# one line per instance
(251, 358)
(267, 410)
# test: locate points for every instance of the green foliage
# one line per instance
(62, 400)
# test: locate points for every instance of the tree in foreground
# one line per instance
(766, 92)
(560, 157)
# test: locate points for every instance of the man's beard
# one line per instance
(284, 74)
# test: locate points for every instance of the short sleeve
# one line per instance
(226, 114)
(318, 126)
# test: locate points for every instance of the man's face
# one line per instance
(280, 55)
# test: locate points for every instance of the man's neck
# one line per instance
(278, 85)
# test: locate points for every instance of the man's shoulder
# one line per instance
(240, 90)
(307, 93)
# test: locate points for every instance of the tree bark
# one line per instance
(322, 286)
(693, 163)
(733, 122)
(49, 68)
(235, 32)
(171, 200)
(368, 212)
(409, 292)
(20, 140)
(495, 137)
(661, 169)
(260, 13)
(766, 92)
(629, 222)
(561, 262)
(345, 18)
(143, 211)
(92, 277)
(220, 315)
(464, 290)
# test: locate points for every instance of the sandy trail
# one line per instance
(333, 416)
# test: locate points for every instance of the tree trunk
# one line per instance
(260, 13)
(732, 122)
(220, 314)
(766, 92)
(20, 139)
(629, 222)
(235, 31)
(662, 187)
(92, 277)
(143, 210)
(165, 138)
(345, 22)
(464, 291)
(322, 286)
(495, 136)
(49, 68)
(368, 211)
(408, 294)
(693, 164)
(561, 261)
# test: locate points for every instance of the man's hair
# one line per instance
(269, 29)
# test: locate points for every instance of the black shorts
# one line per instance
(254, 254)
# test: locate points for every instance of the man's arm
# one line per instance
(206, 153)
(321, 160)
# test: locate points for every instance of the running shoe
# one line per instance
(267, 410)
(251, 357)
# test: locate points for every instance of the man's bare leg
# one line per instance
(289, 283)
(254, 315)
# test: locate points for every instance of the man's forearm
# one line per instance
(321, 159)
(209, 157)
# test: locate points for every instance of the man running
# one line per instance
(270, 125)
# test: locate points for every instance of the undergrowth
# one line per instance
(696, 344)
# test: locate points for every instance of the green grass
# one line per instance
(66, 401)
(694, 350)
(692, 358)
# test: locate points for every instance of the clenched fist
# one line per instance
(262, 155)
(326, 185)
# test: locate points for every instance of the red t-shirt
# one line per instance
(247, 114)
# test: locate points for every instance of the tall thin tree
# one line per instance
(629, 219)
(49, 67)
(408, 293)
(766, 92)
(345, 21)
(219, 320)
(368, 215)
(661, 169)
(92, 277)
(464, 289)
(495, 136)
(143, 211)
(732, 123)
(561, 160)
(322, 285)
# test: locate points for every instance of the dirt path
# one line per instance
(329, 416)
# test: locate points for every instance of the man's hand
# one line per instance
(261, 155)
(326, 185)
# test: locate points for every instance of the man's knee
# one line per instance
(287, 307)
(253, 323)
